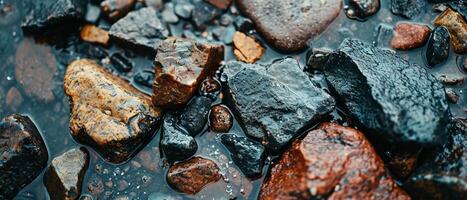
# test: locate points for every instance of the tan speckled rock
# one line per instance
(107, 113)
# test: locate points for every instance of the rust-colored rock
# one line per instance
(107, 113)
(192, 175)
(181, 65)
(247, 49)
(457, 27)
(332, 161)
(35, 69)
(91, 33)
(410, 36)
(220, 119)
(288, 24)
(116, 9)
(221, 4)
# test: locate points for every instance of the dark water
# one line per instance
(145, 174)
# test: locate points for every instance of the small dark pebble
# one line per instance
(451, 79)
(145, 78)
(121, 62)
(243, 24)
(453, 97)
(195, 115)
(316, 59)
(246, 154)
(438, 46)
(361, 9)
(176, 143)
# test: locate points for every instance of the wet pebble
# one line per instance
(168, 14)
(247, 48)
(220, 119)
(246, 154)
(192, 175)
(438, 46)
(243, 24)
(204, 13)
(176, 143)
(93, 13)
(91, 33)
(410, 36)
(195, 114)
(457, 26)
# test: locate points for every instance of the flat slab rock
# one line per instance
(181, 66)
(65, 174)
(395, 99)
(351, 169)
(108, 113)
(275, 101)
(288, 24)
(23, 154)
(141, 29)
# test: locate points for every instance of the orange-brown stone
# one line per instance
(247, 49)
(410, 36)
(91, 33)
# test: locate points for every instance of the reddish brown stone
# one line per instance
(192, 175)
(332, 161)
(220, 119)
(247, 49)
(181, 65)
(35, 69)
(210, 85)
(409, 36)
(91, 33)
(116, 9)
(221, 4)
(457, 27)
(13, 99)
(289, 24)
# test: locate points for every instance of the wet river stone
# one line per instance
(181, 66)
(288, 24)
(116, 9)
(457, 27)
(220, 118)
(65, 174)
(195, 115)
(352, 169)
(141, 29)
(444, 176)
(107, 113)
(60, 12)
(362, 9)
(275, 101)
(407, 8)
(23, 154)
(246, 154)
(176, 143)
(437, 50)
(192, 175)
(409, 36)
(395, 99)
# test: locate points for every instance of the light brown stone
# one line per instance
(247, 49)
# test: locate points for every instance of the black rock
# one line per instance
(145, 78)
(246, 154)
(176, 143)
(121, 62)
(438, 46)
(407, 8)
(383, 36)
(141, 29)
(204, 13)
(274, 102)
(61, 12)
(396, 100)
(361, 9)
(23, 154)
(65, 174)
(444, 175)
(184, 9)
(93, 13)
(195, 115)
(243, 24)
(316, 59)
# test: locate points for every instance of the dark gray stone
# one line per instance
(275, 101)
(176, 143)
(140, 29)
(203, 13)
(23, 154)
(407, 8)
(437, 50)
(246, 154)
(361, 9)
(195, 115)
(397, 100)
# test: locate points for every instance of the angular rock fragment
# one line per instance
(449, 79)
(247, 49)
(60, 12)
(275, 101)
(444, 175)
(65, 174)
(352, 169)
(220, 118)
(23, 154)
(246, 154)
(410, 36)
(107, 113)
(407, 8)
(181, 65)
(362, 9)
(437, 50)
(140, 29)
(91, 33)
(192, 175)
(116, 9)
(397, 100)
(35, 69)
(221, 4)
(195, 115)
(452, 96)
(176, 143)
(457, 27)
(288, 24)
